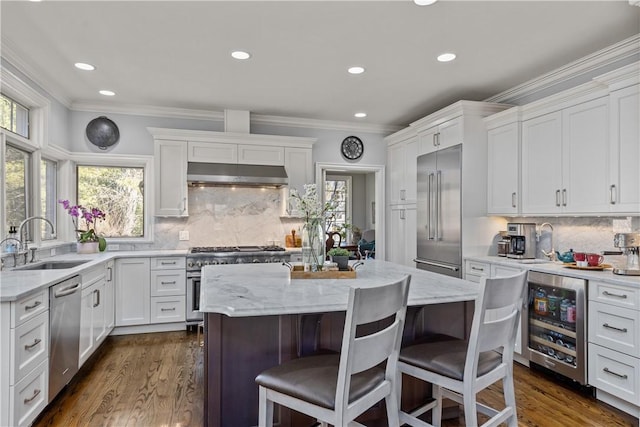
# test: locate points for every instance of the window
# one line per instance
(117, 191)
(339, 188)
(14, 117)
(16, 179)
(48, 196)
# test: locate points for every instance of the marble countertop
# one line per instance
(560, 268)
(245, 290)
(14, 284)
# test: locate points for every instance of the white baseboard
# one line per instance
(145, 329)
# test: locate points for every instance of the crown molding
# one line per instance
(567, 98)
(322, 124)
(38, 77)
(230, 137)
(634, 2)
(594, 61)
(148, 110)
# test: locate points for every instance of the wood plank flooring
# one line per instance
(157, 380)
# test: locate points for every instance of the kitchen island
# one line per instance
(257, 317)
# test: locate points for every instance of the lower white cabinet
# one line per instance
(133, 290)
(24, 351)
(168, 309)
(168, 289)
(96, 309)
(614, 344)
(402, 243)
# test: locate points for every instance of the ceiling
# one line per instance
(177, 53)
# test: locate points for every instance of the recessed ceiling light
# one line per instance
(355, 70)
(240, 54)
(424, 2)
(360, 115)
(446, 57)
(107, 93)
(84, 66)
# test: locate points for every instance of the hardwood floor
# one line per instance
(157, 380)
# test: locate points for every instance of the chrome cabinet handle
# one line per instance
(609, 294)
(564, 197)
(167, 262)
(436, 264)
(477, 268)
(96, 293)
(513, 199)
(36, 392)
(558, 198)
(435, 137)
(402, 214)
(31, 307)
(402, 194)
(168, 309)
(168, 283)
(184, 204)
(35, 343)
(110, 270)
(624, 377)
(606, 325)
(612, 190)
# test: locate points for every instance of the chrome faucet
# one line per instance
(552, 253)
(23, 242)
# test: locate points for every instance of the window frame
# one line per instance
(348, 179)
(116, 160)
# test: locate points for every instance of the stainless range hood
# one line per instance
(211, 174)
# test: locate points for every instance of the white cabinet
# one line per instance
(444, 135)
(133, 292)
(402, 235)
(24, 351)
(110, 297)
(624, 187)
(170, 171)
(614, 344)
(96, 310)
(299, 167)
(260, 155)
(503, 187)
(212, 152)
(168, 289)
(565, 160)
(402, 160)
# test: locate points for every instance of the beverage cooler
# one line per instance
(556, 324)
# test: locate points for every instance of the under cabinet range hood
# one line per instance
(211, 174)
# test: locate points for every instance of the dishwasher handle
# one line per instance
(66, 291)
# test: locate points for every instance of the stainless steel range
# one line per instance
(199, 257)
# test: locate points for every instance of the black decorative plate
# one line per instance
(102, 132)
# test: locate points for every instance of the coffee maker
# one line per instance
(630, 245)
(522, 242)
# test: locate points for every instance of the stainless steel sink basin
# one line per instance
(52, 265)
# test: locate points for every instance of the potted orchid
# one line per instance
(87, 238)
(315, 215)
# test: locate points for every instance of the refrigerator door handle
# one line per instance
(430, 206)
(438, 203)
(437, 264)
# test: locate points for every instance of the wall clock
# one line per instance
(352, 148)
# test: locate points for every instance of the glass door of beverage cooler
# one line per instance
(556, 322)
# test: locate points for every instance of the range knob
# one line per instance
(223, 261)
(199, 263)
(190, 264)
(240, 261)
(205, 262)
(255, 260)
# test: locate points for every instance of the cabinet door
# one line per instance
(86, 325)
(395, 245)
(260, 155)
(395, 156)
(410, 236)
(109, 298)
(542, 164)
(170, 164)
(625, 150)
(503, 169)
(410, 170)
(585, 157)
(212, 152)
(299, 166)
(98, 314)
(450, 133)
(133, 289)
(427, 141)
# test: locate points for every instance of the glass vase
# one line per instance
(313, 245)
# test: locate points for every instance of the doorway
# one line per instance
(375, 205)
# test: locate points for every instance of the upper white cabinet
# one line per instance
(446, 134)
(299, 167)
(624, 187)
(212, 152)
(170, 168)
(402, 171)
(503, 155)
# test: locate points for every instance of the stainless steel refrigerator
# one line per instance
(439, 212)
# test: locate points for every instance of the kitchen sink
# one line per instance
(52, 265)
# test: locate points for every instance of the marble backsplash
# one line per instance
(225, 216)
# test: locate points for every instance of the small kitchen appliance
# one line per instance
(522, 240)
(630, 245)
(504, 243)
(199, 257)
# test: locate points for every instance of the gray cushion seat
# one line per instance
(314, 379)
(447, 358)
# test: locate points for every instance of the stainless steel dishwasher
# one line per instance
(64, 321)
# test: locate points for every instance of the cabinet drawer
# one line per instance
(477, 268)
(30, 346)
(615, 328)
(212, 152)
(168, 309)
(93, 275)
(168, 282)
(29, 307)
(501, 271)
(473, 277)
(165, 263)
(620, 295)
(614, 373)
(29, 397)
